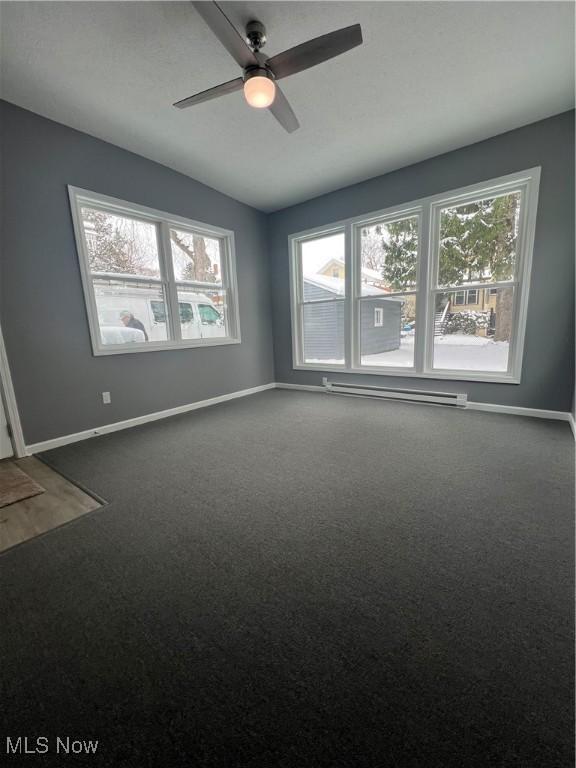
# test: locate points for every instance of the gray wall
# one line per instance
(384, 338)
(57, 380)
(323, 337)
(548, 370)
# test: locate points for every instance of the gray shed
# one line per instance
(380, 321)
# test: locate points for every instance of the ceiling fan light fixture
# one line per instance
(259, 89)
(260, 72)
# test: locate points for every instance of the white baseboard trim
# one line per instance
(56, 442)
(511, 410)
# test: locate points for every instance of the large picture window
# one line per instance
(151, 280)
(436, 288)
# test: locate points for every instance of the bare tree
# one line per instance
(109, 249)
(198, 267)
(373, 254)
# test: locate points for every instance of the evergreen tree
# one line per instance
(401, 254)
(478, 241)
(373, 248)
(392, 250)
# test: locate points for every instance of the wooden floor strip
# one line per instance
(62, 501)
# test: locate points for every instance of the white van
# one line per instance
(200, 318)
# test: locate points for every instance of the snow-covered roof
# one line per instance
(332, 284)
(331, 260)
(373, 274)
(336, 285)
(372, 290)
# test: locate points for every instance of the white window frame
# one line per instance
(298, 302)
(428, 210)
(163, 222)
(378, 317)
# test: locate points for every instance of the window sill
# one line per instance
(121, 349)
(486, 378)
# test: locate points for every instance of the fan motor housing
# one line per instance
(258, 72)
(255, 35)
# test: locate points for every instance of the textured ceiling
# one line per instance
(429, 78)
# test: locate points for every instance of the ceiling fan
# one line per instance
(261, 73)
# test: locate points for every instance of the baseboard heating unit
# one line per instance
(456, 400)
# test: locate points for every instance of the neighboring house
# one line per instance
(324, 321)
(333, 268)
(474, 300)
(336, 268)
(495, 304)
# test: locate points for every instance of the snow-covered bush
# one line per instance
(466, 322)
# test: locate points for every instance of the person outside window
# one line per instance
(130, 321)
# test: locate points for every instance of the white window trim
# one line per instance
(526, 182)
(164, 221)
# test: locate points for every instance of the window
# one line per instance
(186, 312)
(209, 316)
(320, 302)
(388, 282)
(477, 242)
(436, 288)
(159, 312)
(153, 281)
(460, 298)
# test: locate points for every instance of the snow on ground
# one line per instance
(456, 351)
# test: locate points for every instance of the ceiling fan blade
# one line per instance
(315, 51)
(226, 32)
(211, 93)
(282, 111)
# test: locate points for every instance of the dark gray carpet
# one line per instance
(295, 580)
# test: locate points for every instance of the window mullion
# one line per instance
(170, 288)
(350, 329)
(433, 255)
(422, 296)
(297, 305)
(475, 286)
(125, 278)
(229, 299)
(323, 301)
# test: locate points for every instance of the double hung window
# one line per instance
(151, 280)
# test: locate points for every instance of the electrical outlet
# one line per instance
(106, 398)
